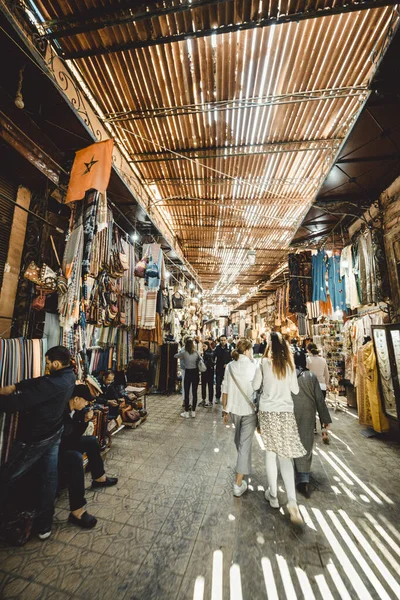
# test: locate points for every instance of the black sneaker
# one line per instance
(203, 403)
(44, 535)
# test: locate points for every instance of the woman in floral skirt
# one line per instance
(277, 421)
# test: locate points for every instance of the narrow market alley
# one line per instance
(171, 528)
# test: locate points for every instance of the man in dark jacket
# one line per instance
(73, 445)
(223, 357)
(40, 403)
(263, 344)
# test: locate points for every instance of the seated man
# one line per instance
(73, 445)
(41, 404)
(110, 395)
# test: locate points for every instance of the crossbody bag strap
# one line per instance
(241, 391)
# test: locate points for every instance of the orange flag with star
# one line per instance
(91, 170)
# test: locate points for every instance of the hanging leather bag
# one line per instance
(38, 303)
(141, 266)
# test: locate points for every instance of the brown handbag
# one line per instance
(38, 303)
(32, 273)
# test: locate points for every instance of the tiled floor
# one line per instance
(171, 528)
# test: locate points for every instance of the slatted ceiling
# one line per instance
(216, 218)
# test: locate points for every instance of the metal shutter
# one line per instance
(7, 190)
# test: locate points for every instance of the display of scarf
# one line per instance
(336, 284)
(347, 272)
(300, 284)
(147, 307)
(319, 264)
(19, 359)
(69, 303)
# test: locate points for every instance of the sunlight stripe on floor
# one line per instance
(335, 466)
(356, 479)
(198, 593)
(391, 527)
(235, 583)
(383, 533)
(304, 584)
(337, 580)
(286, 578)
(269, 579)
(381, 494)
(217, 582)
(323, 587)
(381, 567)
(382, 548)
(348, 568)
(306, 517)
(383, 595)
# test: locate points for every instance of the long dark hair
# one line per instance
(189, 346)
(279, 352)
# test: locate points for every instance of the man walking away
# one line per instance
(41, 404)
(223, 357)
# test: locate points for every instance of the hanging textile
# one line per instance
(19, 359)
(336, 284)
(366, 268)
(348, 274)
(369, 404)
(147, 307)
(319, 262)
(68, 305)
(300, 284)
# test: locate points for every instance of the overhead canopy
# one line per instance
(232, 112)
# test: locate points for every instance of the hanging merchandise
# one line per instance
(19, 359)
(336, 283)
(91, 170)
(151, 270)
(319, 264)
(300, 284)
(38, 303)
(177, 300)
(347, 272)
(369, 403)
(141, 266)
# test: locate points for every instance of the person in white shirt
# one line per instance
(318, 365)
(279, 432)
(237, 395)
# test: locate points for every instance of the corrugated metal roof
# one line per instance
(232, 133)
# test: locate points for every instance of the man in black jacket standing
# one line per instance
(223, 357)
(73, 445)
(40, 403)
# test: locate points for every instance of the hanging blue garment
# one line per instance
(336, 284)
(319, 276)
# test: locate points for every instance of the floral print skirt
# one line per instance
(280, 434)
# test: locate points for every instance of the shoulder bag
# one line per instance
(201, 365)
(249, 402)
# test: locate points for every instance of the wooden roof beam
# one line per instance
(232, 28)
(109, 16)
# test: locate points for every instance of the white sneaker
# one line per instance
(239, 490)
(185, 414)
(193, 414)
(295, 515)
(273, 500)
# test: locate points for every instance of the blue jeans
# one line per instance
(43, 457)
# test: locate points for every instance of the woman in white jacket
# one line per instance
(277, 421)
(237, 395)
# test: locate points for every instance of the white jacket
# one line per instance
(277, 393)
(243, 370)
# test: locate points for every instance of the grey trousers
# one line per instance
(244, 433)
